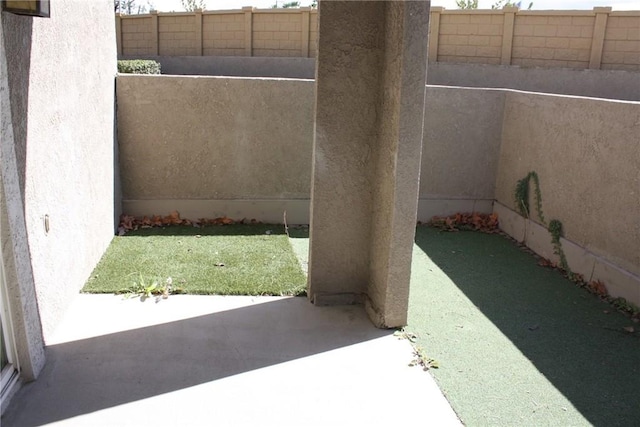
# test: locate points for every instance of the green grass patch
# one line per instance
(518, 344)
(222, 260)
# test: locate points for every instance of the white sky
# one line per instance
(174, 5)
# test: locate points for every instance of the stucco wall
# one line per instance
(610, 84)
(238, 138)
(460, 153)
(587, 155)
(249, 141)
(66, 99)
(18, 290)
(244, 150)
(236, 66)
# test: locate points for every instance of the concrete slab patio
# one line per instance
(211, 360)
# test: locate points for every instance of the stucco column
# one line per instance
(370, 87)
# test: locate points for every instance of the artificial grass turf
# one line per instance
(518, 344)
(239, 259)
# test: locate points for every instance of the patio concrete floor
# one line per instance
(211, 360)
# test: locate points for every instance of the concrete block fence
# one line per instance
(592, 39)
(596, 39)
(246, 32)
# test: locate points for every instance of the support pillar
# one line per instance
(507, 33)
(155, 35)
(370, 88)
(597, 40)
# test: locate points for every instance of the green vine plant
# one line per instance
(522, 196)
(554, 226)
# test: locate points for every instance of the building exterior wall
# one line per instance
(24, 319)
(65, 98)
(595, 39)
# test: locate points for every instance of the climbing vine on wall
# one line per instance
(554, 226)
(522, 195)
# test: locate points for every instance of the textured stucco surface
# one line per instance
(14, 249)
(370, 85)
(462, 134)
(350, 54)
(459, 161)
(610, 84)
(214, 138)
(67, 164)
(397, 161)
(587, 155)
(607, 84)
(236, 66)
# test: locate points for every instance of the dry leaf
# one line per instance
(598, 288)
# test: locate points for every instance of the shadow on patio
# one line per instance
(517, 343)
(195, 360)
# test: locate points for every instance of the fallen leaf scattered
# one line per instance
(486, 223)
(129, 222)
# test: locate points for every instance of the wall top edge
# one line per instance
(219, 12)
(530, 93)
(133, 16)
(469, 12)
(198, 77)
(519, 12)
(435, 9)
(625, 13)
(553, 12)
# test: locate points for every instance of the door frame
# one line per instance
(10, 373)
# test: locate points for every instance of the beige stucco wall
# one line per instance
(209, 138)
(587, 155)
(251, 140)
(64, 100)
(461, 143)
(244, 150)
(16, 280)
(609, 84)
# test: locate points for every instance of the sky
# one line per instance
(174, 5)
